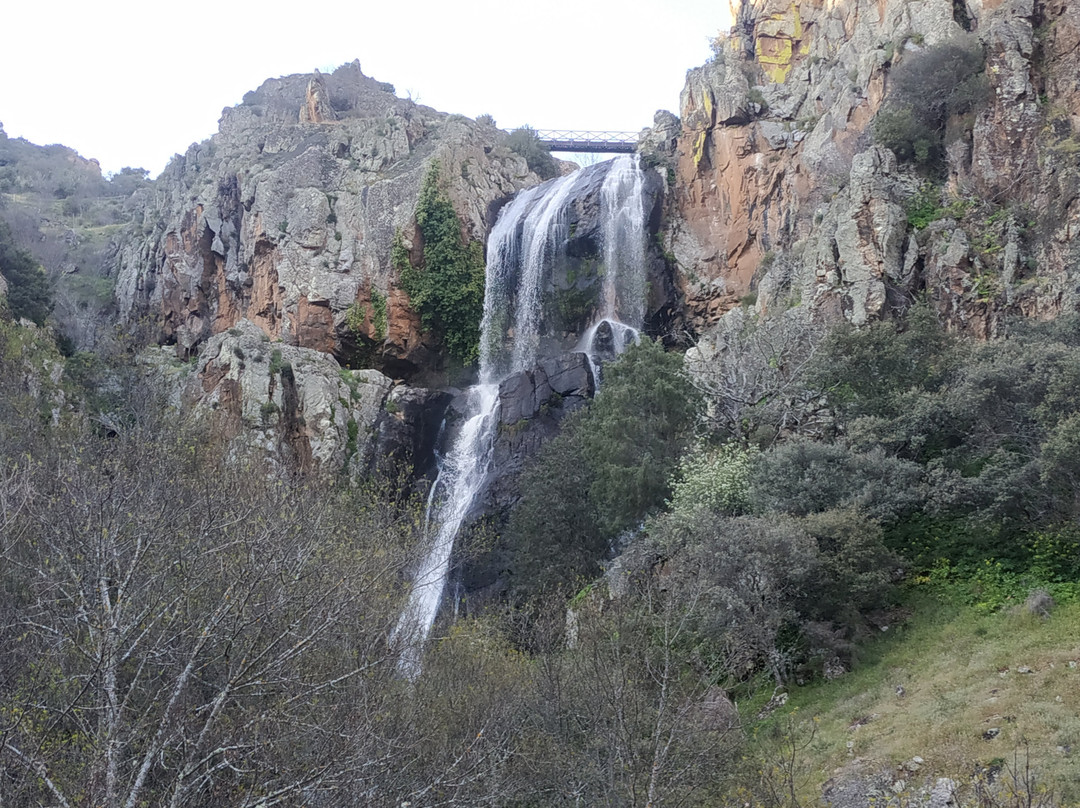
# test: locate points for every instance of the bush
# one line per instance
(803, 477)
(635, 431)
(28, 293)
(932, 91)
(747, 573)
(526, 142)
(857, 570)
(868, 371)
(606, 470)
(716, 478)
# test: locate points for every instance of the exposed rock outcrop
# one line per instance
(297, 406)
(287, 216)
(779, 193)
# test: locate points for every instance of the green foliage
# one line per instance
(749, 573)
(925, 206)
(869, 371)
(607, 469)
(718, 479)
(857, 569)
(555, 534)
(933, 90)
(635, 431)
(805, 477)
(28, 293)
(356, 315)
(277, 362)
(379, 314)
(526, 142)
(267, 409)
(448, 288)
(995, 428)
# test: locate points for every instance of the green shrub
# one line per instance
(28, 293)
(526, 142)
(804, 477)
(925, 206)
(635, 431)
(932, 90)
(716, 478)
(605, 471)
(379, 314)
(276, 361)
(448, 288)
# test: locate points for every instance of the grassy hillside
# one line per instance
(983, 698)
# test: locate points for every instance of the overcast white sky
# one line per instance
(131, 82)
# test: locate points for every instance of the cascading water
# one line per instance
(622, 298)
(528, 238)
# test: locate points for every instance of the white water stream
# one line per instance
(529, 236)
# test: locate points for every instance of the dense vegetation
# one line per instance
(28, 293)
(447, 289)
(181, 628)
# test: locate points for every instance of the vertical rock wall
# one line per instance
(781, 195)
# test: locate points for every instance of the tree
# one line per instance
(635, 431)
(751, 374)
(182, 631)
(931, 89)
(28, 293)
(527, 143)
(605, 472)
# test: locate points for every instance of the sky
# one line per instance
(132, 83)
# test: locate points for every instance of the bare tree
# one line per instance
(187, 631)
(751, 369)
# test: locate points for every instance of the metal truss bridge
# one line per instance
(561, 140)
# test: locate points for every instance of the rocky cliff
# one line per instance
(287, 216)
(782, 197)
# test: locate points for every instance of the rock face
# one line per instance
(286, 218)
(299, 407)
(779, 192)
(532, 405)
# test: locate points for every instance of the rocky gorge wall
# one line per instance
(287, 216)
(775, 198)
(269, 259)
(780, 196)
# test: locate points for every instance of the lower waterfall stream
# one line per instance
(528, 239)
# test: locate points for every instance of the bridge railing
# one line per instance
(586, 141)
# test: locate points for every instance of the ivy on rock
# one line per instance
(447, 288)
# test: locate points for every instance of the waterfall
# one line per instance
(528, 238)
(622, 311)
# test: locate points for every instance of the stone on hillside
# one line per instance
(943, 794)
(299, 406)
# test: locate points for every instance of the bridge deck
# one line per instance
(588, 142)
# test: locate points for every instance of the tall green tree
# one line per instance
(607, 470)
(28, 293)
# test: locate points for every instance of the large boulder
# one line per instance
(299, 408)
